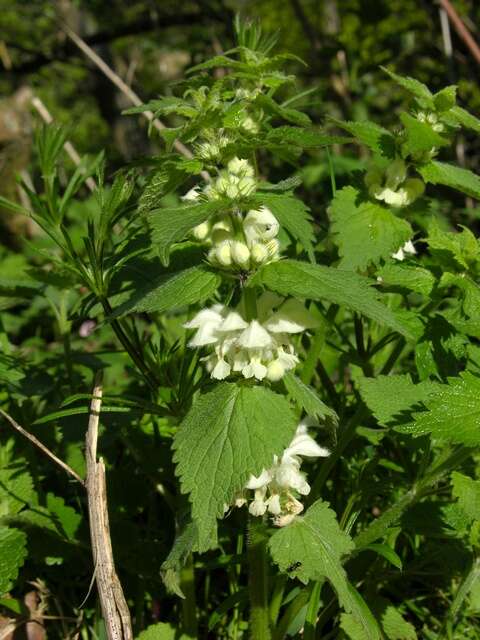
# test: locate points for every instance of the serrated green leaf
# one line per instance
(307, 398)
(13, 551)
(185, 542)
(372, 135)
(293, 215)
(305, 138)
(161, 631)
(16, 490)
(346, 288)
(455, 177)
(164, 106)
(395, 626)
(67, 519)
(407, 276)
(171, 224)
(312, 548)
(416, 88)
(391, 398)
(419, 136)
(445, 99)
(365, 233)
(273, 108)
(171, 291)
(467, 491)
(225, 437)
(159, 184)
(465, 119)
(455, 250)
(453, 412)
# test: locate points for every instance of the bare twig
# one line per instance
(124, 88)
(461, 29)
(114, 606)
(42, 447)
(69, 148)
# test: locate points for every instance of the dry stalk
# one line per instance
(114, 606)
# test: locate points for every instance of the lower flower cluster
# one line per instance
(257, 349)
(393, 186)
(276, 490)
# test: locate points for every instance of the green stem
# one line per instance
(312, 612)
(258, 580)
(189, 604)
(250, 303)
(129, 347)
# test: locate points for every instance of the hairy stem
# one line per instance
(258, 580)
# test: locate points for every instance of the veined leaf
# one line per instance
(225, 437)
(13, 551)
(293, 215)
(171, 291)
(416, 88)
(453, 412)
(307, 398)
(367, 232)
(465, 119)
(467, 491)
(346, 288)
(456, 177)
(390, 398)
(372, 135)
(161, 631)
(171, 224)
(419, 136)
(184, 543)
(314, 546)
(305, 138)
(407, 276)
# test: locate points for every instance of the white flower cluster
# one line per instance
(432, 119)
(238, 243)
(407, 249)
(257, 349)
(276, 489)
(393, 186)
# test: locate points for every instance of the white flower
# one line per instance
(407, 248)
(275, 489)
(260, 224)
(201, 231)
(240, 167)
(223, 253)
(193, 194)
(257, 349)
(240, 254)
(255, 336)
(392, 186)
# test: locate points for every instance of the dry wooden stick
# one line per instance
(42, 447)
(123, 86)
(114, 606)
(69, 148)
(461, 29)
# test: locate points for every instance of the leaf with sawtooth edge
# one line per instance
(311, 548)
(229, 433)
(13, 551)
(365, 233)
(467, 491)
(453, 412)
(451, 176)
(346, 288)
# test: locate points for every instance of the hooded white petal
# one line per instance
(233, 322)
(254, 336)
(221, 370)
(292, 317)
(258, 482)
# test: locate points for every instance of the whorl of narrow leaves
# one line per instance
(312, 548)
(365, 232)
(229, 433)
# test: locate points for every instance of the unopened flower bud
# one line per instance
(260, 224)
(232, 191)
(259, 253)
(241, 167)
(246, 186)
(200, 232)
(223, 253)
(273, 248)
(396, 173)
(240, 254)
(275, 370)
(414, 188)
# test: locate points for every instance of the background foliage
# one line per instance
(49, 352)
